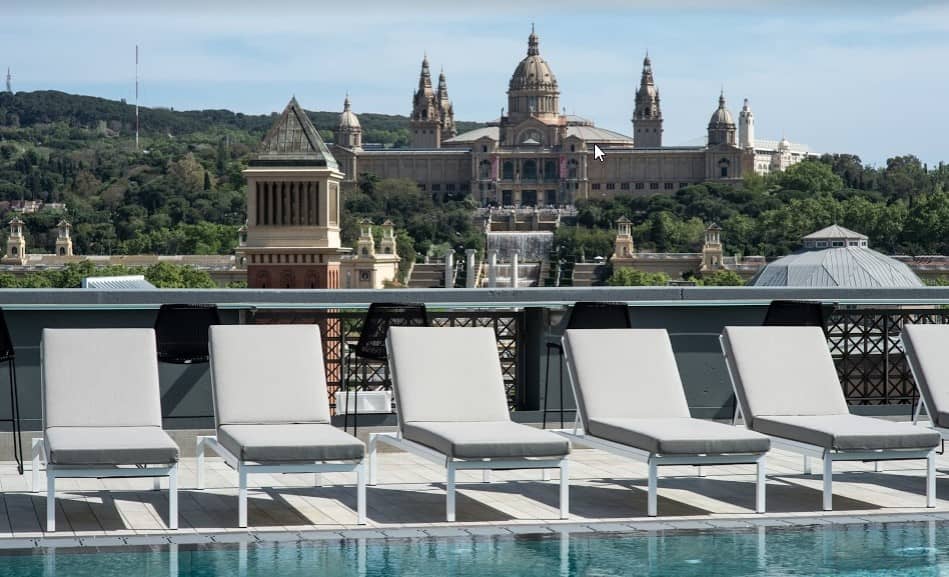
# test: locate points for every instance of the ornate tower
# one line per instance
(366, 244)
(426, 123)
(533, 90)
(721, 127)
(293, 208)
(63, 238)
(348, 131)
(445, 109)
(623, 245)
(16, 243)
(387, 244)
(9, 81)
(712, 249)
(647, 118)
(746, 127)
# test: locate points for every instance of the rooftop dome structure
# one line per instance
(721, 116)
(348, 119)
(837, 257)
(533, 89)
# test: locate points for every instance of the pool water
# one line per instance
(894, 550)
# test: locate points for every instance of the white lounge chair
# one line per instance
(787, 388)
(452, 409)
(102, 412)
(272, 409)
(927, 353)
(631, 403)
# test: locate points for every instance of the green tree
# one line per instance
(721, 277)
(810, 176)
(624, 276)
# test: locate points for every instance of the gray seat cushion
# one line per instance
(679, 436)
(110, 446)
(926, 351)
(486, 440)
(783, 371)
(308, 442)
(100, 378)
(268, 374)
(848, 432)
(625, 374)
(449, 374)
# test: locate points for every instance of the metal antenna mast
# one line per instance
(9, 81)
(136, 97)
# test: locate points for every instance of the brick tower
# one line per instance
(293, 208)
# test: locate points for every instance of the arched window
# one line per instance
(723, 167)
(507, 171)
(550, 170)
(484, 170)
(572, 168)
(529, 169)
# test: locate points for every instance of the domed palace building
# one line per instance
(535, 154)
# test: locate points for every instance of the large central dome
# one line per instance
(533, 88)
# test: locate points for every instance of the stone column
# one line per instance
(472, 274)
(514, 272)
(449, 269)
(492, 268)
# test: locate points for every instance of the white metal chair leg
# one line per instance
(172, 498)
(931, 479)
(199, 464)
(917, 410)
(38, 448)
(877, 466)
(373, 465)
(241, 496)
(361, 493)
(545, 474)
(450, 497)
(828, 503)
(486, 474)
(50, 501)
(652, 489)
(807, 465)
(701, 471)
(762, 484)
(156, 483)
(317, 480)
(564, 489)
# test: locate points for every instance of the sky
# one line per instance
(866, 78)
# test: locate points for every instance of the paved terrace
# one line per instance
(607, 494)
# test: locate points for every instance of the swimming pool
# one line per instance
(895, 550)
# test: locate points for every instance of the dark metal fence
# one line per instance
(865, 344)
(340, 330)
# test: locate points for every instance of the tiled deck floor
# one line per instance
(606, 492)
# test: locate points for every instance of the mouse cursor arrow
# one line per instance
(598, 153)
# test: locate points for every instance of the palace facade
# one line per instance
(535, 154)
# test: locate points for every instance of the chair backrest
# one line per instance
(597, 315)
(268, 374)
(783, 371)
(624, 373)
(375, 328)
(7, 351)
(927, 352)
(100, 378)
(446, 374)
(182, 332)
(795, 314)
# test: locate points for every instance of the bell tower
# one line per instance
(623, 245)
(712, 249)
(63, 238)
(426, 119)
(293, 208)
(647, 118)
(16, 243)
